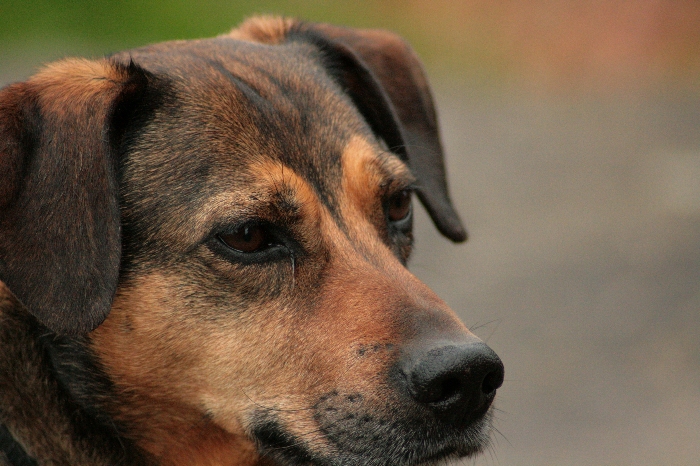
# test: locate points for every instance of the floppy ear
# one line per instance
(60, 241)
(384, 78)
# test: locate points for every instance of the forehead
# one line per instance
(228, 105)
(238, 102)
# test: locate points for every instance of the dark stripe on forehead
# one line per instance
(248, 91)
(262, 70)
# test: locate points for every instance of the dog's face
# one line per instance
(263, 306)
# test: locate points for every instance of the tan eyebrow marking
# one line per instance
(368, 170)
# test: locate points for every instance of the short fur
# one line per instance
(131, 334)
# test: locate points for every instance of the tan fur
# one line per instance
(69, 85)
(162, 394)
(370, 171)
(265, 29)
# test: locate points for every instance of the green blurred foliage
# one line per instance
(557, 44)
(126, 23)
(35, 31)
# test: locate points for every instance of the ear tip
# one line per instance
(459, 236)
(55, 312)
(453, 229)
(74, 329)
(443, 214)
(65, 323)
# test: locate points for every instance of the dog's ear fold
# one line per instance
(60, 241)
(385, 79)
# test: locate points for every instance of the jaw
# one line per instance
(363, 437)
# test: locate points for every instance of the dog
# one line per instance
(203, 249)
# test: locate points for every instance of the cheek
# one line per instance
(160, 337)
(165, 339)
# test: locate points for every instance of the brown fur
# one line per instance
(264, 29)
(209, 357)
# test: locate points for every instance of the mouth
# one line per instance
(360, 436)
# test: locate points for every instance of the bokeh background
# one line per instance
(572, 131)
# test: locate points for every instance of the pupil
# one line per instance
(248, 238)
(400, 205)
(247, 235)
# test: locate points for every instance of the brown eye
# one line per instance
(399, 205)
(247, 238)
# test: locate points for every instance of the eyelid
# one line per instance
(261, 205)
(395, 185)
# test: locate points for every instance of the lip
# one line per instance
(408, 443)
(446, 453)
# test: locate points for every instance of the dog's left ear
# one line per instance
(385, 79)
(60, 243)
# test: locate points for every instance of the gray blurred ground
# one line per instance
(582, 270)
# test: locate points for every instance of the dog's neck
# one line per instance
(65, 392)
(36, 411)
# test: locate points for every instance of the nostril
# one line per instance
(492, 381)
(451, 388)
(439, 390)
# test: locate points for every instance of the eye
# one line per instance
(399, 205)
(247, 238)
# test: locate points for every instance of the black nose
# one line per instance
(458, 382)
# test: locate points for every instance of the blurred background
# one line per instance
(572, 132)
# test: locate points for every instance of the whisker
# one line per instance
(477, 326)
(502, 435)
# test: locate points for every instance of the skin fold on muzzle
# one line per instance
(203, 250)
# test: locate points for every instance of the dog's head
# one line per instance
(241, 208)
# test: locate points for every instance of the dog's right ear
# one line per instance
(60, 239)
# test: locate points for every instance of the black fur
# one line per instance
(64, 390)
(13, 451)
